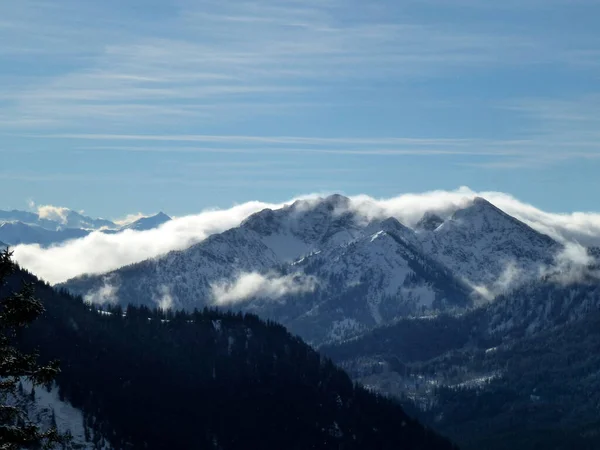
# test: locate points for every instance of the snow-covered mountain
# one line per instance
(393, 267)
(307, 226)
(15, 233)
(22, 227)
(57, 219)
(147, 223)
(365, 271)
(373, 280)
(183, 279)
(28, 218)
(485, 246)
(73, 219)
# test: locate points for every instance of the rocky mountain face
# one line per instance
(486, 246)
(307, 226)
(184, 276)
(364, 272)
(373, 280)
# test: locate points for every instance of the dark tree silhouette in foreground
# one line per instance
(17, 310)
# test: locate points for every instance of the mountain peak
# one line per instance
(161, 215)
(429, 222)
(292, 216)
(483, 216)
(479, 208)
(147, 223)
(392, 224)
(481, 202)
(483, 243)
(337, 201)
(329, 203)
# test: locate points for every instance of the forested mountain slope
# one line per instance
(145, 379)
(521, 373)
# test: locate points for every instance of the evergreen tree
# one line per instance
(17, 310)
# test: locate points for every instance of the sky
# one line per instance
(121, 106)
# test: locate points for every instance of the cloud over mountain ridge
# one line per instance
(99, 253)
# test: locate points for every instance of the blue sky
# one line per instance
(147, 105)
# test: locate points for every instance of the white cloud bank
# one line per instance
(251, 285)
(99, 253)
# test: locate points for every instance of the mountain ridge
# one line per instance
(23, 227)
(412, 272)
(147, 223)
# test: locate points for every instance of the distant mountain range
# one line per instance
(147, 223)
(22, 227)
(65, 219)
(330, 273)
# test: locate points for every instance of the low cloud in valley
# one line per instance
(251, 285)
(106, 294)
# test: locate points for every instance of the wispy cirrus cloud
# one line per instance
(104, 92)
(201, 56)
(555, 141)
(262, 139)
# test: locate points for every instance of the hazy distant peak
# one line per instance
(148, 223)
